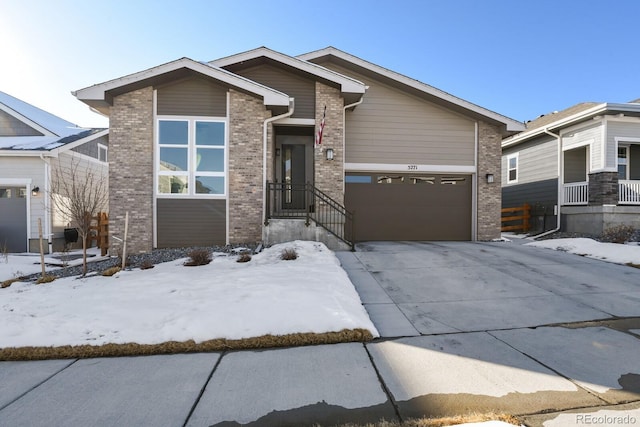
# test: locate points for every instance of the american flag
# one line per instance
(319, 135)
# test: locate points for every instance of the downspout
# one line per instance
(344, 132)
(265, 133)
(560, 187)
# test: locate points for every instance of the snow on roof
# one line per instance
(57, 131)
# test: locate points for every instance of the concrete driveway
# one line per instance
(467, 327)
(413, 288)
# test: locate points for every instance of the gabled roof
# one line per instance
(56, 132)
(575, 114)
(425, 90)
(346, 83)
(100, 96)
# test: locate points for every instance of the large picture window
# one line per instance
(191, 159)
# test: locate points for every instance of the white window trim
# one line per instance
(192, 153)
(626, 164)
(509, 169)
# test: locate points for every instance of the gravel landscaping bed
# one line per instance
(154, 257)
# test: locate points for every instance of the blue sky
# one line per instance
(518, 58)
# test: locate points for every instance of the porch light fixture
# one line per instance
(329, 153)
(35, 191)
(489, 178)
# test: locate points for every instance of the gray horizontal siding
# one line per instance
(542, 196)
(392, 126)
(298, 87)
(537, 160)
(91, 148)
(10, 126)
(191, 222)
(192, 97)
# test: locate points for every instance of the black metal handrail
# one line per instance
(308, 202)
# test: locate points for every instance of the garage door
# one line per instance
(409, 206)
(13, 219)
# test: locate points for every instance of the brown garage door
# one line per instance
(409, 206)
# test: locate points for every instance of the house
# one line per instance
(35, 147)
(226, 152)
(583, 162)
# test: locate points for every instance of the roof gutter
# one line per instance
(560, 186)
(265, 133)
(344, 134)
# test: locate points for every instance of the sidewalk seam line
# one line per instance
(37, 385)
(384, 385)
(204, 387)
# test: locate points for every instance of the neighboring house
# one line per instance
(223, 152)
(34, 144)
(585, 160)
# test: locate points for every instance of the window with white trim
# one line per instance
(191, 157)
(623, 162)
(512, 168)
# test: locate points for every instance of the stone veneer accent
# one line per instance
(489, 195)
(603, 188)
(246, 118)
(131, 170)
(329, 175)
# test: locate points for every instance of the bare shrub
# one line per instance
(244, 257)
(45, 279)
(146, 265)
(199, 257)
(289, 254)
(618, 234)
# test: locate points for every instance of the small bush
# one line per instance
(289, 254)
(110, 271)
(244, 257)
(45, 279)
(146, 265)
(618, 234)
(199, 257)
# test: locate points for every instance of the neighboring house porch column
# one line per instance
(489, 194)
(246, 117)
(603, 188)
(329, 174)
(131, 170)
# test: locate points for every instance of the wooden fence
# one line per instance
(512, 216)
(99, 232)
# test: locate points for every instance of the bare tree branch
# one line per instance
(79, 192)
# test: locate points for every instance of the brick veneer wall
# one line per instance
(246, 118)
(603, 188)
(329, 175)
(489, 195)
(131, 170)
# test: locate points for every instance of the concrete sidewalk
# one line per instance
(496, 346)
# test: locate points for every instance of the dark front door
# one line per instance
(294, 175)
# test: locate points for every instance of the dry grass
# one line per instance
(441, 422)
(133, 349)
(8, 283)
(634, 265)
(110, 271)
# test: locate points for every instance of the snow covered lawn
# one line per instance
(171, 302)
(611, 252)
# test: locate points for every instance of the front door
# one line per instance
(293, 176)
(294, 168)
